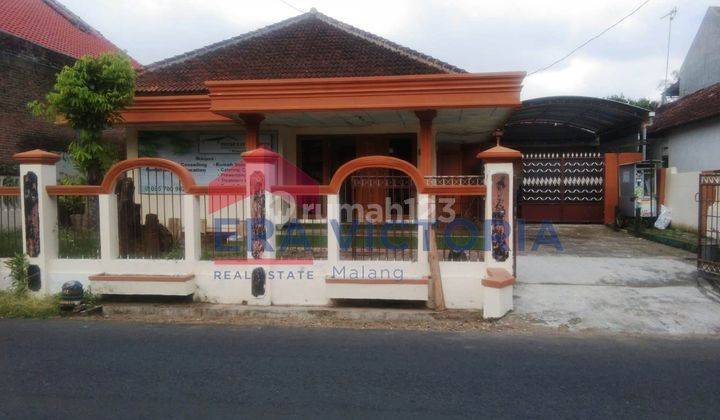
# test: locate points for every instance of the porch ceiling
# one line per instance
(466, 121)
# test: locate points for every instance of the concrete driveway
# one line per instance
(608, 280)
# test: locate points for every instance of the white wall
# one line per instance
(692, 147)
(5, 281)
(680, 191)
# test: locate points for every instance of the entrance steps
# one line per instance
(143, 284)
(386, 289)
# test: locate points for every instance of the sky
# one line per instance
(476, 35)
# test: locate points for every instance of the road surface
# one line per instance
(96, 369)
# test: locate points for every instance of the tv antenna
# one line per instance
(670, 16)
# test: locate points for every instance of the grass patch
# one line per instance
(672, 237)
(14, 305)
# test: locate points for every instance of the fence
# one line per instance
(379, 217)
(10, 222)
(709, 224)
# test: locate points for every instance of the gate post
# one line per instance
(498, 230)
(333, 221)
(260, 176)
(109, 239)
(39, 210)
(191, 214)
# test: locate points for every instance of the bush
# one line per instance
(13, 305)
(20, 282)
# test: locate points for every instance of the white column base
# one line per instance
(497, 302)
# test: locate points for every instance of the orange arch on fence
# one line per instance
(186, 178)
(383, 162)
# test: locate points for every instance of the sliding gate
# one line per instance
(709, 224)
(562, 187)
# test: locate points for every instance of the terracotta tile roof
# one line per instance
(306, 46)
(49, 24)
(704, 103)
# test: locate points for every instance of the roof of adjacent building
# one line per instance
(697, 106)
(310, 45)
(51, 25)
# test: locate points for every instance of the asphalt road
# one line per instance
(73, 369)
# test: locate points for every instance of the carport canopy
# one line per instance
(571, 121)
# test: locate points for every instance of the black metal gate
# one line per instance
(709, 224)
(562, 187)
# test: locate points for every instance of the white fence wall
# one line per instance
(681, 190)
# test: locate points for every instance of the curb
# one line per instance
(204, 311)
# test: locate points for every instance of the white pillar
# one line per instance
(38, 167)
(499, 210)
(503, 171)
(109, 242)
(264, 162)
(424, 218)
(333, 217)
(191, 224)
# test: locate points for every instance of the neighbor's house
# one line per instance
(686, 132)
(37, 39)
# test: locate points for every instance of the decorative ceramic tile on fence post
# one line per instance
(500, 223)
(257, 184)
(32, 215)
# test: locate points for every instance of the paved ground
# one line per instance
(75, 369)
(608, 280)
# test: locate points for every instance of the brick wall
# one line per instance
(27, 72)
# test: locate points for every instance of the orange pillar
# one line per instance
(252, 130)
(425, 141)
(611, 185)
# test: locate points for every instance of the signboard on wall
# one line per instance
(207, 155)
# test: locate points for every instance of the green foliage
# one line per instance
(28, 306)
(10, 242)
(18, 266)
(73, 243)
(90, 299)
(641, 102)
(71, 204)
(89, 95)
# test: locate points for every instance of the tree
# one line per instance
(641, 102)
(89, 96)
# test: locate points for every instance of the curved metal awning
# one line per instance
(558, 120)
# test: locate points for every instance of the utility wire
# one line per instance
(287, 3)
(590, 40)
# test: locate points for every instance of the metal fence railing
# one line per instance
(459, 230)
(303, 233)
(378, 216)
(150, 214)
(10, 222)
(223, 232)
(78, 226)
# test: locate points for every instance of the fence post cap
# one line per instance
(38, 156)
(260, 155)
(499, 154)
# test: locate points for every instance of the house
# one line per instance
(309, 162)
(298, 164)
(685, 134)
(37, 39)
